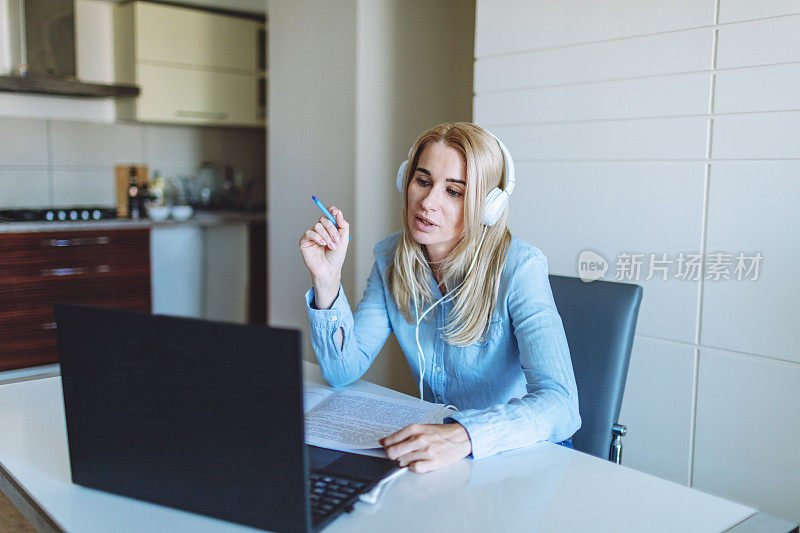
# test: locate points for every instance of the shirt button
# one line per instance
(332, 318)
(438, 369)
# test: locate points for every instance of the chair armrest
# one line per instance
(615, 454)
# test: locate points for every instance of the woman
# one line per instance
(470, 306)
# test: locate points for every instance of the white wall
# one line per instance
(668, 127)
(351, 87)
(311, 141)
(414, 71)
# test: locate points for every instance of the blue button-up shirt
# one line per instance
(513, 388)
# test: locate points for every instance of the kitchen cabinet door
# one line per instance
(191, 37)
(227, 273)
(93, 267)
(176, 255)
(197, 97)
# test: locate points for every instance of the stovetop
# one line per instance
(62, 214)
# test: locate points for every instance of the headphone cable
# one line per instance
(449, 296)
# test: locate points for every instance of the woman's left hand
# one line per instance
(427, 447)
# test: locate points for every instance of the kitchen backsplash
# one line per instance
(54, 163)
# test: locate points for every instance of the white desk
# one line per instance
(542, 488)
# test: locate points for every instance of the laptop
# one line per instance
(201, 416)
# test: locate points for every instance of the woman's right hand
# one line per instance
(324, 248)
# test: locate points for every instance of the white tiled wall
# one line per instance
(757, 135)
(668, 127)
(746, 436)
(23, 142)
(522, 25)
(685, 94)
(767, 88)
(737, 10)
(659, 375)
(24, 187)
(92, 144)
(618, 140)
(610, 207)
(752, 208)
(180, 150)
(649, 55)
(46, 163)
(759, 42)
(83, 187)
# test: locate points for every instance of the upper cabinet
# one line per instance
(194, 38)
(193, 66)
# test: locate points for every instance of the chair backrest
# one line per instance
(599, 320)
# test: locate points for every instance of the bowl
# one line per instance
(182, 212)
(158, 213)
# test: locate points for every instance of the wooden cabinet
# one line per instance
(107, 268)
(193, 66)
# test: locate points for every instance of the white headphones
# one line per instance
(496, 200)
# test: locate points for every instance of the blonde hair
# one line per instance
(476, 298)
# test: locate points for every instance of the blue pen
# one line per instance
(327, 213)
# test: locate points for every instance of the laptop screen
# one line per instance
(196, 415)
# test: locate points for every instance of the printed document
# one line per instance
(352, 420)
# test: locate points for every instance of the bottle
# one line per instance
(208, 181)
(144, 199)
(134, 205)
(230, 192)
(158, 190)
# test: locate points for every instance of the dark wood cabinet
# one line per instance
(107, 268)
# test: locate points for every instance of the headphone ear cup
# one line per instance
(401, 175)
(496, 201)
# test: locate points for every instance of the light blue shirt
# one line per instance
(513, 388)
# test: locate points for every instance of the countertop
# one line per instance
(200, 218)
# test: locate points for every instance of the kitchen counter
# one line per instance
(200, 218)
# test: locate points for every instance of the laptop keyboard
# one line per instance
(331, 495)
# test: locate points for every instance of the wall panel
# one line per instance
(757, 136)
(657, 409)
(738, 10)
(520, 25)
(565, 208)
(84, 188)
(770, 88)
(649, 55)
(759, 42)
(746, 442)
(752, 208)
(24, 188)
(93, 144)
(631, 140)
(646, 97)
(23, 142)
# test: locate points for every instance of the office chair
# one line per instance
(599, 320)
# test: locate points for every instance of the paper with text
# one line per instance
(352, 420)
